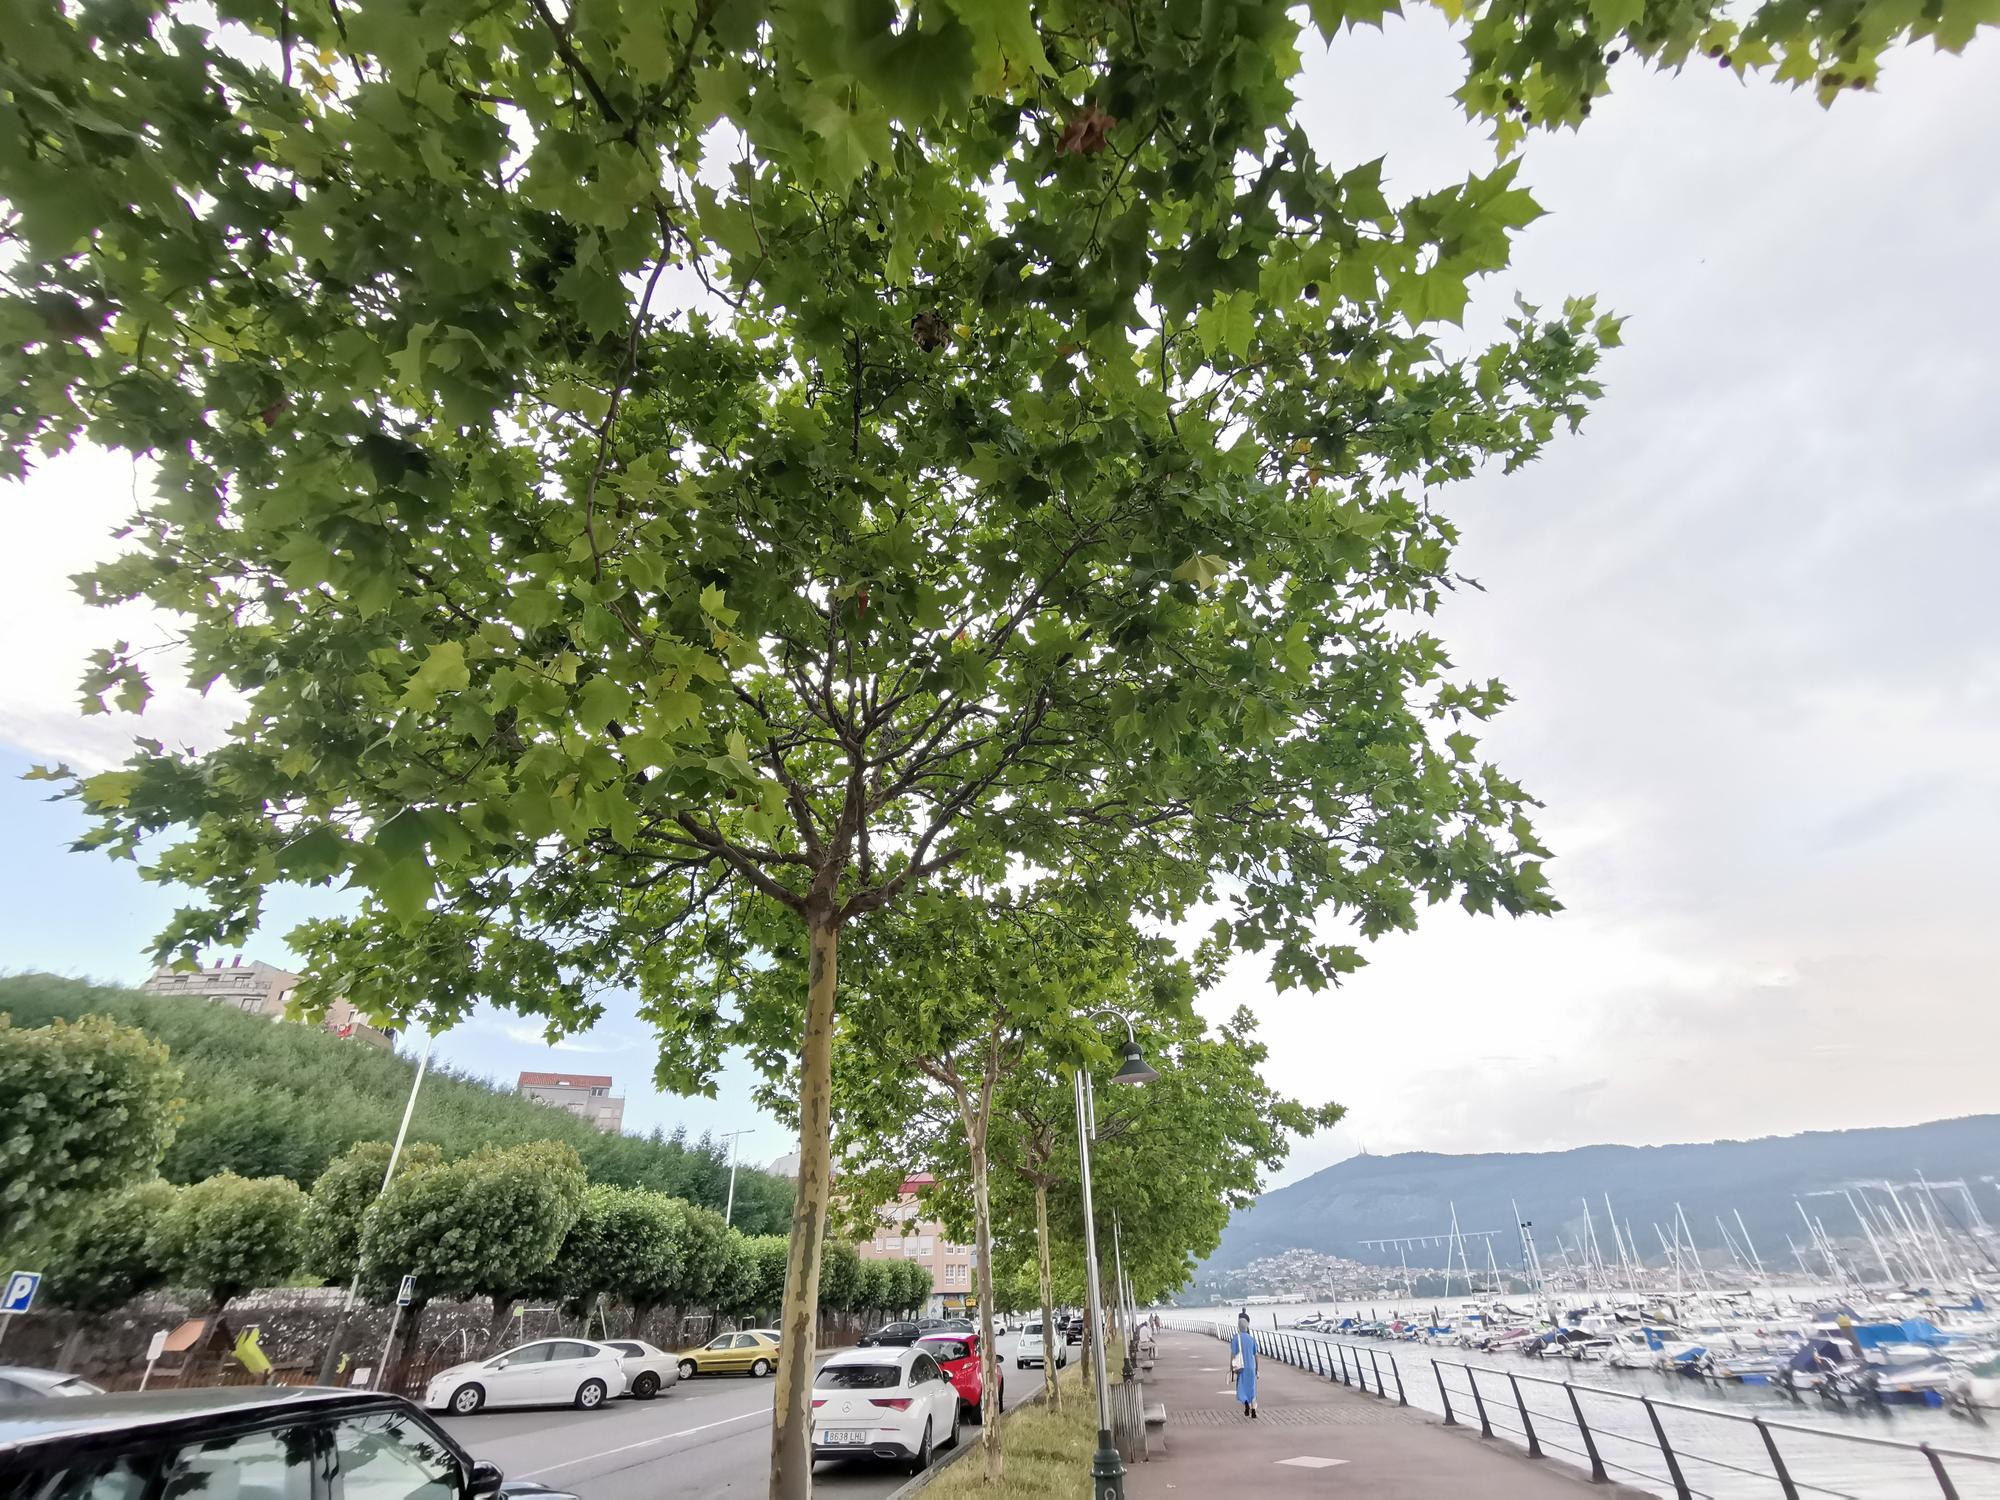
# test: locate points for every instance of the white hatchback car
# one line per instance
(648, 1370)
(883, 1403)
(548, 1372)
(1030, 1348)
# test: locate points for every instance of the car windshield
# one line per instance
(947, 1348)
(859, 1378)
(1034, 1328)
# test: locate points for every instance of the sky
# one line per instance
(1746, 616)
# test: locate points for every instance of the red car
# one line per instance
(957, 1355)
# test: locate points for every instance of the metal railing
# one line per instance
(1499, 1405)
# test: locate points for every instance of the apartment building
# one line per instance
(259, 989)
(907, 1235)
(588, 1096)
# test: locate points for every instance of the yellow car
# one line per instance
(751, 1352)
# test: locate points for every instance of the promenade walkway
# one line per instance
(1316, 1438)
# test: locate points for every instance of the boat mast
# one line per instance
(1917, 1240)
(1624, 1265)
(1888, 1276)
(1755, 1258)
(1700, 1271)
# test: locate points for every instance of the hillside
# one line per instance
(1377, 1197)
(266, 1099)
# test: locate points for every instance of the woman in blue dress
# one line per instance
(1243, 1355)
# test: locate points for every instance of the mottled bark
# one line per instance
(791, 1425)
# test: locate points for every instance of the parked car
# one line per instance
(883, 1403)
(548, 1372)
(243, 1441)
(953, 1325)
(744, 1352)
(1030, 1348)
(957, 1355)
(897, 1335)
(1071, 1325)
(648, 1370)
(24, 1383)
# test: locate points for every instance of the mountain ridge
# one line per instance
(1413, 1193)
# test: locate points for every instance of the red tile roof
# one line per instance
(565, 1080)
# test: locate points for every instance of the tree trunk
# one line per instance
(503, 1311)
(407, 1331)
(989, 1356)
(1049, 1334)
(791, 1424)
(67, 1358)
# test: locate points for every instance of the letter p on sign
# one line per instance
(20, 1291)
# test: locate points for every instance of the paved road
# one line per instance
(709, 1436)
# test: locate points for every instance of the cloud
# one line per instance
(533, 1036)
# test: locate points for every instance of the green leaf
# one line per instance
(1202, 570)
(443, 671)
(397, 867)
(1610, 17)
(852, 136)
(1229, 322)
(1330, 15)
(110, 789)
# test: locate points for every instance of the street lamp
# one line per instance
(1107, 1471)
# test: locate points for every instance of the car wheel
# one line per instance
(467, 1399)
(923, 1459)
(968, 1412)
(687, 1369)
(645, 1385)
(760, 1369)
(590, 1395)
(952, 1440)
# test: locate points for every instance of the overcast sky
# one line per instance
(1748, 616)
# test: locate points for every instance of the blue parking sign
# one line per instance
(20, 1291)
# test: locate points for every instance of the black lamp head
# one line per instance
(1134, 1069)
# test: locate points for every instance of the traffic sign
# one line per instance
(157, 1347)
(407, 1292)
(20, 1291)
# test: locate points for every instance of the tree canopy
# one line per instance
(226, 1234)
(85, 1107)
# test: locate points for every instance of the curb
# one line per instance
(916, 1482)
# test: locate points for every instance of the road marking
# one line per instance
(665, 1437)
(1306, 1461)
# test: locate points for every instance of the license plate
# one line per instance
(847, 1437)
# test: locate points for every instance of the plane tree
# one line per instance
(659, 473)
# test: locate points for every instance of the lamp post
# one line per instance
(332, 1355)
(729, 1208)
(1107, 1470)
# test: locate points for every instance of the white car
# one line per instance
(1031, 1349)
(548, 1372)
(648, 1370)
(883, 1403)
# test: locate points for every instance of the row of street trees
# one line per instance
(1019, 462)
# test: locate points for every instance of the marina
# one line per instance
(1721, 1433)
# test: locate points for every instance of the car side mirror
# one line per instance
(498, 1364)
(486, 1480)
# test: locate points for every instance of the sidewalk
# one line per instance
(1315, 1438)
